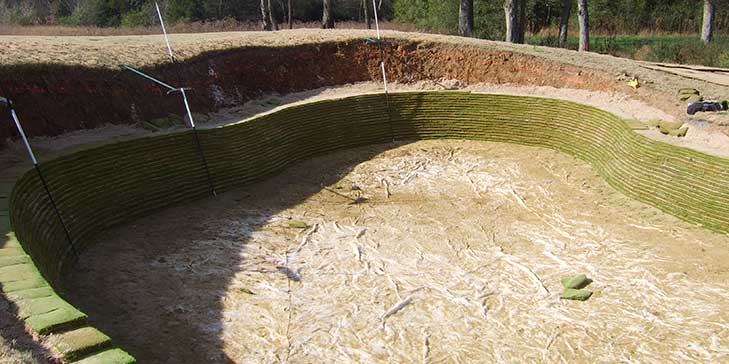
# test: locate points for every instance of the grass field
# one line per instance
(684, 49)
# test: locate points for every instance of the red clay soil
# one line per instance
(53, 99)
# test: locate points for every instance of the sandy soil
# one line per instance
(432, 252)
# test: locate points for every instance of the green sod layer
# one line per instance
(105, 186)
(102, 187)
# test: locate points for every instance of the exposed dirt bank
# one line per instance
(468, 239)
(62, 84)
(59, 98)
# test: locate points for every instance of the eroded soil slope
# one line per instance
(61, 84)
(61, 98)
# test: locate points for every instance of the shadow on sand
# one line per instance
(158, 285)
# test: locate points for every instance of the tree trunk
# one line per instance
(564, 22)
(266, 16)
(327, 20)
(707, 31)
(272, 17)
(366, 8)
(465, 18)
(584, 26)
(511, 26)
(291, 14)
(521, 22)
(282, 4)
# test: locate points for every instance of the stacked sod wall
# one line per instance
(102, 187)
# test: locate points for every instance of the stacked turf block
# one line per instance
(105, 186)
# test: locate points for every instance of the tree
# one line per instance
(564, 22)
(327, 19)
(707, 31)
(584, 25)
(515, 12)
(521, 22)
(269, 22)
(366, 8)
(179, 10)
(511, 26)
(465, 18)
(271, 16)
(291, 14)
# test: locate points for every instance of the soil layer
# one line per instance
(54, 98)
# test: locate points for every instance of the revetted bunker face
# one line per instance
(105, 186)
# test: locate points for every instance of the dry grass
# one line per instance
(193, 27)
(553, 31)
(235, 26)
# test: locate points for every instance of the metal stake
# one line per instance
(382, 67)
(19, 127)
(182, 92)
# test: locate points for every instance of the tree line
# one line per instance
(508, 20)
(493, 19)
(114, 13)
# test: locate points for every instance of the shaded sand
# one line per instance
(431, 252)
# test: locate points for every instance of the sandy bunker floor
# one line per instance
(431, 252)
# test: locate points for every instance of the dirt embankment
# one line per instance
(53, 99)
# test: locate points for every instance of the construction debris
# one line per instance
(672, 128)
(689, 95)
(579, 281)
(576, 294)
(573, 288)
(707, 106)
(167, 122)
(296, 224)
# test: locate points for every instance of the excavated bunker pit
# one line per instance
(329, 243)
(473, 236)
